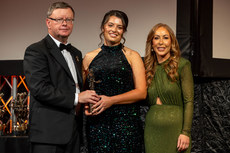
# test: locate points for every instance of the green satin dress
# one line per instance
(164, 123)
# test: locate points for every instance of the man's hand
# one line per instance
(88, 96)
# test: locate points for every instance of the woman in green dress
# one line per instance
(170, 94)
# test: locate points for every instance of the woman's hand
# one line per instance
(103, 104)
(183, 142)
(87, 113)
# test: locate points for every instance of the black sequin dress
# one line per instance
(118, 129)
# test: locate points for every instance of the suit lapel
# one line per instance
(54, 50)
(77, 64)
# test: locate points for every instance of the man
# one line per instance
(54, 79)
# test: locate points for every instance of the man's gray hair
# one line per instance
(58, 5)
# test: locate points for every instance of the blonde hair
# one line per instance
(150, 59)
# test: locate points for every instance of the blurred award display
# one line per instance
(14, 106)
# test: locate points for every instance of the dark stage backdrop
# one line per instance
(11, 67)
(195, 29)
(211, 125)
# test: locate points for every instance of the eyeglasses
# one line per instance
(60, 21)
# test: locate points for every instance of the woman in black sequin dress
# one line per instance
(117, 74)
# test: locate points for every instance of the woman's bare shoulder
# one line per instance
(90, 56)
(131, 53)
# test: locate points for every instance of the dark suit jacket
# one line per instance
(52, 91)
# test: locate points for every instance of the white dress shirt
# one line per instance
(69, 61)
